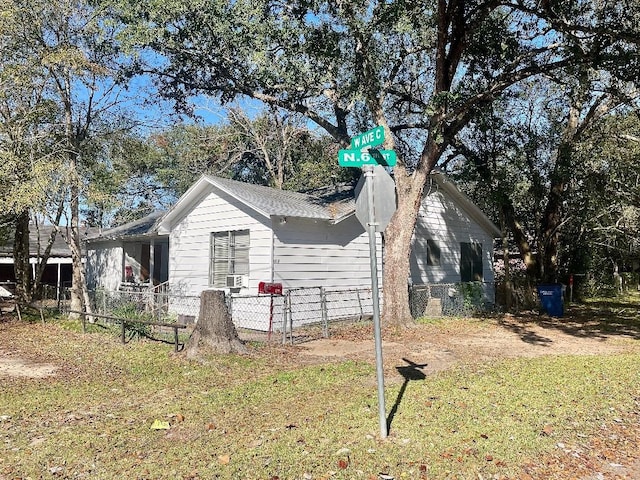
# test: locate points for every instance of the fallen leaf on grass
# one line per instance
(342, 463)
(160, 425)
(36, 441)
(224, 459)
(547, 430)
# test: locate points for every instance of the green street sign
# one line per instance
(357, 158)
(370, 138)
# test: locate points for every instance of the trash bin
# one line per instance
(551, 299)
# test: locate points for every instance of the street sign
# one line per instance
(386, 158)
(384, 199)
(357, 158)
(370, 138)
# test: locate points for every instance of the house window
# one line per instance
(471, 262)
(229, 255)
(433, 253)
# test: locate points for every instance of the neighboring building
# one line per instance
(58, 270)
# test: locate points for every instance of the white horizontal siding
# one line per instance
(104, 265)
(441, 220)
(310, 253)
(190, 241)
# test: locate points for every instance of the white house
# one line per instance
(232, 235)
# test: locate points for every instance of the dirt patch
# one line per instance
(17, 367)
(451, 342)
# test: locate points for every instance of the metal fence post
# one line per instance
(290, 318)
(284, 317)
(360, 304)
(325, 316)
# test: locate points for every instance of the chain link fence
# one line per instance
(298, 314)
(451, 299)
(161, 306)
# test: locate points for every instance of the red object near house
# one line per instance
(270, 288)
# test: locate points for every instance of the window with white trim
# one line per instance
(228, 255)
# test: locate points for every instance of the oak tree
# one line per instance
(421, 69)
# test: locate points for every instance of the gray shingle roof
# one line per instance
(270, 201)
(59, 249)
(143, 226)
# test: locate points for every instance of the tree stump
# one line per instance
(215, 330)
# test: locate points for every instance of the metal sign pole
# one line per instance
(371, 230)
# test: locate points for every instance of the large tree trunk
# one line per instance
(21, 266)
(397, 246)
(450, 44)
(397, 253)
(215, 330)
(553, 217)
(73, 240)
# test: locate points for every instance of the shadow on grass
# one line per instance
(412, 371)
(598, 319)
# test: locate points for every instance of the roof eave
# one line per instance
(190, 197)
(342, 217)
(471, 208)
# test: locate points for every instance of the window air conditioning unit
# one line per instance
(237, 281)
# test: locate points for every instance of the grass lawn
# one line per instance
(266, 416)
